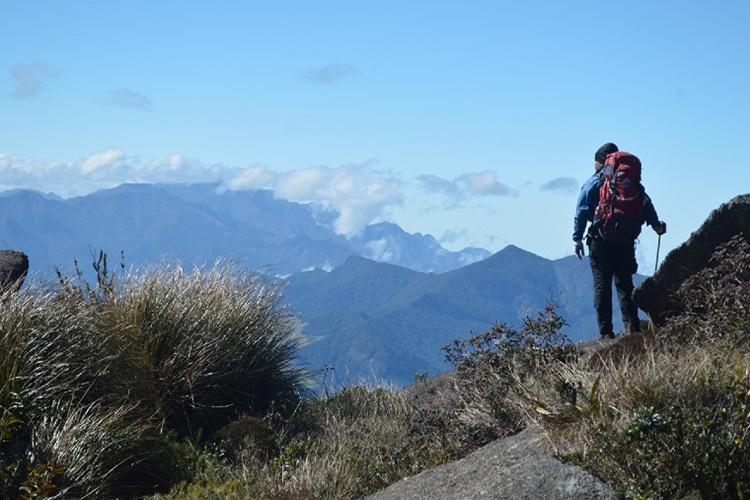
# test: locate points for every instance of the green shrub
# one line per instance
(493, 367)
(695, 445)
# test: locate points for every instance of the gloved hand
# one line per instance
(578, 248)
(661, 228)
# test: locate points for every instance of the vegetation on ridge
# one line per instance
(184, 384)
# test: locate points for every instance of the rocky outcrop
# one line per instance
(657, 295)
(14, 266)
(521, 466)
(517, 467)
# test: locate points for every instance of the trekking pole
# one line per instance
(658, 245)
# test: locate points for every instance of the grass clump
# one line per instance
(59, 397)
(213, 344)
(104, 388)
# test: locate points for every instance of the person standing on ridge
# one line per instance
(614, 201)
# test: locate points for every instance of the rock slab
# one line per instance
(516, 467)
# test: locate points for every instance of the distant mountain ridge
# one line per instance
(200, 223)
(371, 320)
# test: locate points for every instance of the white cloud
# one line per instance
(30, 79)
(304, 184)
(437, 184)
(109, 159)
(178, 168)
(381, 250)
(469, 184)
(357, 193)
(105, 169)
(254, 177)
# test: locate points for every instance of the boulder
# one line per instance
(515, 467)
(14, 266)
(657, 295)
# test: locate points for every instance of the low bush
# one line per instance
(494, 370)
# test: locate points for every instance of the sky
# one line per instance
(473, 121)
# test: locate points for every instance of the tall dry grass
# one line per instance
(63, 393)
(357, 441)
(213, 343)
(100, 383)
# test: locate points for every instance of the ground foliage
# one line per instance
(127, 376)
(680, 425)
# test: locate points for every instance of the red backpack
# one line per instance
(619, 216)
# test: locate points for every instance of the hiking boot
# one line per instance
(609, 335)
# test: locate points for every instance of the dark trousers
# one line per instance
(610, 261)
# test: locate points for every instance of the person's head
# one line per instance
(602, 153)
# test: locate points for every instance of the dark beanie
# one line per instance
(604, 151)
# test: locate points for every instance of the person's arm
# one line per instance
(588, 199)
(650, 215)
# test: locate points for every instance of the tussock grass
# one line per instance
(101, 385)
(104, 451)
(64, 396)
(216, 343)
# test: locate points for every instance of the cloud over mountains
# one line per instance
(359, 193)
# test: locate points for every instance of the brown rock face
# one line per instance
(14, 266)
(657, 294)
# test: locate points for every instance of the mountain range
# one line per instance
(375, 321)
(378, 306)
(200, 223)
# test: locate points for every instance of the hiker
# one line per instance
(614, 201)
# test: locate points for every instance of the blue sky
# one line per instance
(475, 122)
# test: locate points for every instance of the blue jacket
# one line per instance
(588, 200)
